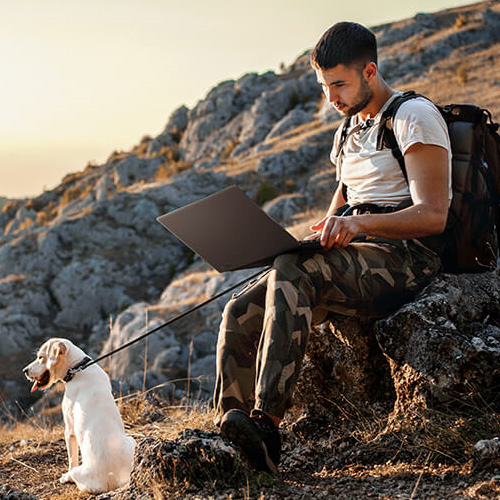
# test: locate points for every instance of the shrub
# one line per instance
(230, 146)
(265, 193)
(462, 74)
(42, 218)
(460, 21)
(11, 207)
(70, 195)
(26, 224)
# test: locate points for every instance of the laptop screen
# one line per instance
(229, 230)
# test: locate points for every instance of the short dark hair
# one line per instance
(344, 43)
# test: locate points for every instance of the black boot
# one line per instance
(256, 435)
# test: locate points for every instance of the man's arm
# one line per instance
(427, 169)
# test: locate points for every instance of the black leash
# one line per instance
(89, 361)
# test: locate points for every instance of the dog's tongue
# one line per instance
(34, 387)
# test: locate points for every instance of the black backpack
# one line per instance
(469, 243)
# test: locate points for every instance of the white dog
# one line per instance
(91, 417)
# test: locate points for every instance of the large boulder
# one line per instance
(436, 351)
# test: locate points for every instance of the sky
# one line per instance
(82, 78)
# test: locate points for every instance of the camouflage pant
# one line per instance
(265, 327)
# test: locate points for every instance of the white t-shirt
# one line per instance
(373, 176)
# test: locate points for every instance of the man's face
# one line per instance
(346, 88)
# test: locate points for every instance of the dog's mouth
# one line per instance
(41, 382)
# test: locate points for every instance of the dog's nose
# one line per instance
(25, 371)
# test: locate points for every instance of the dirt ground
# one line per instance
(33, 457)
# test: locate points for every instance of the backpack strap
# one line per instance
(343, 138)
(386, 137)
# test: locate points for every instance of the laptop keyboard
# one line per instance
(311, 245)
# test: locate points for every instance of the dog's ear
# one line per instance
(59, 349)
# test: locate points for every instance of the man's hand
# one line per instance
(336, 232)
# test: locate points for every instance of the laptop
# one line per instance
(230, 231)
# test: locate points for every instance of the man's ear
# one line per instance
(370, 70)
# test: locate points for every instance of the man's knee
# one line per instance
(288, 266)
(236, 307)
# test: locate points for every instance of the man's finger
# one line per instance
(318, 225)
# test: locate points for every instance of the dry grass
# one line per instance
(422, 459)
(33, 453)
(463, 74)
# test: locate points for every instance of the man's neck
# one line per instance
(381, 94)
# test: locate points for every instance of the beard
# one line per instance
(362, 99)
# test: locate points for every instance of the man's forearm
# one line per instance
(413, 222)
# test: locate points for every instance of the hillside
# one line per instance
(88, 261)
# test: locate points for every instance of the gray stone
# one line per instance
(290, 162)
(284, 207)
(428, 354)
(296, 117)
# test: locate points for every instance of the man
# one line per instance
(370, 263)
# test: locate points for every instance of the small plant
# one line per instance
(290, 186)
(170, 153)
(26, 224)
(69, 195)
(463, 74)
(416, 48)
(181, 166)
(460, 21)
(11, 207)
(163, 172)
(230, 147)
(265, 193)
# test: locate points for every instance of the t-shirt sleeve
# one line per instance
(419, 121)
(333, 152)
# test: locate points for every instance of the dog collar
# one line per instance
(77, 368)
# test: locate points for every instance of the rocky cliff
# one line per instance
(87, 260)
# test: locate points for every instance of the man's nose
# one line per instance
(330, 94)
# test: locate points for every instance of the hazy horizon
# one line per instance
(84, 78)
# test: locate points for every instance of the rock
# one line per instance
(104, 188)
(186, 345)
(491, 20)
(132, 323)
(178, 121)
(8, 494)
(172, 362)
(203, 370)
(290, 162)
(89, 282)
(321, 185)
(204, 343)
(159, 142)
(23, 218)
(343, 367)
(173, 131)
(441, 348)
(270, 107)
(132, 169)
(296, 117)
(284, 207)
(196, 460)
(487, 453)
(446, 343)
